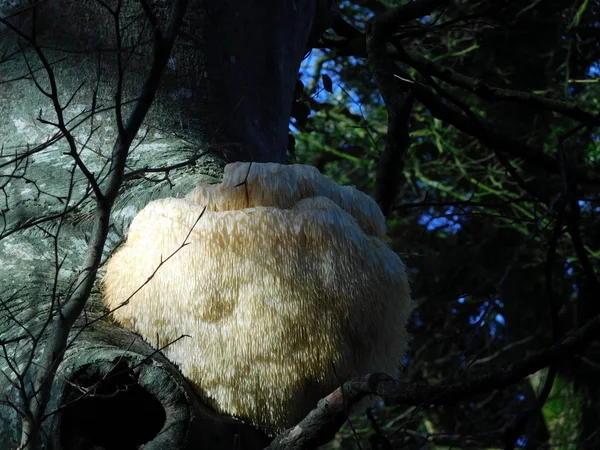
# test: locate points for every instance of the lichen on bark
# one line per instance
(226, 95)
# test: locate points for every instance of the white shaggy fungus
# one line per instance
(286, 289)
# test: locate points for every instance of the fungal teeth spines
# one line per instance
(279, 279)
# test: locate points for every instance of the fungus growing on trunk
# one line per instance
(286, 289)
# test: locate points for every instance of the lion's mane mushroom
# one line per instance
(286, 289)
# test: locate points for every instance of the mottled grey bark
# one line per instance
(226, 96)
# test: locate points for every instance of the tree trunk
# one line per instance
(225, 96)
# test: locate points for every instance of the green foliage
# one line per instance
(562, 412)
(475, 224)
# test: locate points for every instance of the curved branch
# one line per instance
(321, 424)
(391, 19)
(491, 93)
(62, 323)
(354, 44)
(491, 139)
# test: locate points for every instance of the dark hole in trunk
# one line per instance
(115, 414)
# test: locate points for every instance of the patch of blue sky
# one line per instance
(496, 319)
(522, 441)
(463, 298)
(476, 318)
(367, 14)
(341, 94)
(570, 270)
(487, 315)
(587, 206)
(594, 69)
(307, 74)
(292, 126)
(493, 328)
(450, 222)
(569, 273)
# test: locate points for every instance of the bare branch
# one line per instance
(74, 304)
(321, 424)
(493, 93)
(390, 20)
(140, 172)
(398, 102)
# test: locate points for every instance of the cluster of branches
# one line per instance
(36, 378)
(382, 44)
(324, 421)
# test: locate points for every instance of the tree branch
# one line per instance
(321, 424)
(354, 45)
(398, 100)
(64, 320)
(491, 139)
(390, 20)
(398, 103)
(491, 93)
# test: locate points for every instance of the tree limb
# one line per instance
(63, 321)
(398, 103)
(321, 424)
(355, 45)
(493, 93)
(391, 19)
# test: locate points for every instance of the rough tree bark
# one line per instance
(226, 95)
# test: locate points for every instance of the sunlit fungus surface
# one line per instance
(285, 289)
